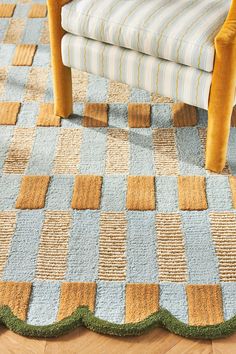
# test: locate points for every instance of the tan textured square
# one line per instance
(223, 231)
(95, 115)
(184, 115)
(117, 151)
(232, 182)
(141, 193)
(87, 192)
(3, 79)
(7, 230)
(46, 117)
(142, 300)
(172, 265)
(74, 295)
(118, 92)
(36, 84)
(139, 115)
(204, 304)
(52, 261)
(33, 192)
(192, 193)
(112, 246)
(233, 119)
(19, 151)
(67, 154)
(37, 11)
(9, 112)
(166, 160)
(14, 31)
(44, 37)
(80, 85)
(24, 55)
(16, 296)
(156, 98)
(7, 10)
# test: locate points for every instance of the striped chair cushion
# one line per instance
(181, 31)
(180, 82)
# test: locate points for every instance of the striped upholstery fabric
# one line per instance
(181, 31)
(180, 82)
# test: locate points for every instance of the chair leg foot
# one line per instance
(217, 141)
(215, 166)
(63, 101)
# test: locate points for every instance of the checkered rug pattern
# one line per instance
(112, 208)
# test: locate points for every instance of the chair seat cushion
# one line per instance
(181, 31)
(163, 77)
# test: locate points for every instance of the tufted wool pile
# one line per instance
(107, 219)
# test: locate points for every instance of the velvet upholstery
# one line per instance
(62, 81)
(222, 93)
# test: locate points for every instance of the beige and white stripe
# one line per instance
(80, 84)
(44, 36)
(181, 31)
(53, 248)
(112, 246)
(117, 158)
(170, 248)
(223, 229)
(163, 77)
(36, 84)
(118, 92)
(3, 79)
(68, 151)
(7, 228)
(165, 151)
(15, 31)
(19, 151)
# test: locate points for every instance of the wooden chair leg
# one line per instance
(62, 82)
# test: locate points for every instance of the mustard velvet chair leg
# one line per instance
(62, 81)
(222, 94)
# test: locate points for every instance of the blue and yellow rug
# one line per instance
(107, 219)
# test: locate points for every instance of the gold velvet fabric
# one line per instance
(222, 93)
(62, 82)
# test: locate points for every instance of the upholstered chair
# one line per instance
(182, 49)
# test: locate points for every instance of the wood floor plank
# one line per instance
(187, 346)
(83, 341)
(11, 343)
(224, 345)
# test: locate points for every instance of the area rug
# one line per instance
(108, 219)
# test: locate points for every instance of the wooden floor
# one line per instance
(83, 341)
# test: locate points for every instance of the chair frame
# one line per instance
(222, 93)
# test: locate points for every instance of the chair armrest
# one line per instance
(227, 34)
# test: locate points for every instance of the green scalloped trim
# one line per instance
(83, 317)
